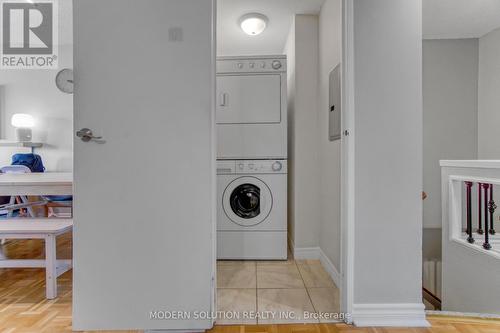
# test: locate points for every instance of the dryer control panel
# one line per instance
(262, 64)
(251, 167)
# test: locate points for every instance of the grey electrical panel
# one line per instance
(334, 106)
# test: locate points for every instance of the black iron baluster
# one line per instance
(486, 244)
(470, 239)
(492, 207)
(480, 205)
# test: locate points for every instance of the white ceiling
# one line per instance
(459, 18)
(231, 40)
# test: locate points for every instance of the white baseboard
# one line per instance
(173, 331)
(306, 253)
(389, 315)
(363, 315)
(462, 314)
(330, 268)
(317, 253)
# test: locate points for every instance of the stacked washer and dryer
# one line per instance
(251, 126)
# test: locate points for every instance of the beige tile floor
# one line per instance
(278, 291)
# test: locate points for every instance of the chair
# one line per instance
(20, 201)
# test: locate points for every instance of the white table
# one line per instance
(49, 183)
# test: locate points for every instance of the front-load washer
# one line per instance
(252, 209)
(251, 112)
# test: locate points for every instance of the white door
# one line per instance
(144, 196)
(249, 99)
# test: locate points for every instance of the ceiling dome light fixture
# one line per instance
(253, 24)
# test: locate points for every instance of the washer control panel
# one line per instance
(251, 167)
(251, 65)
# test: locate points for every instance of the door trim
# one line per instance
(213, 153)
(348, 159)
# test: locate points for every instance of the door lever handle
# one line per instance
(223, 99)
(86, 135)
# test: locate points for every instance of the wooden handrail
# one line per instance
(431, 298)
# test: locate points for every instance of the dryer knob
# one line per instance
(277, 166)
(276, 64)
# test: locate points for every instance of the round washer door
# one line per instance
(247, 201)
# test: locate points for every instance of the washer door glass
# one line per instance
(247, 201)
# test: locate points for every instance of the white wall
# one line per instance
(450, 83)
(330, 52)
(35, 92)
(303, 201)
(387, 131)
(313, 50)
(489, 96)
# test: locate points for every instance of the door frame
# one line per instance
(347, 193)
(213, 153)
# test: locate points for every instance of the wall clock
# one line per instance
(64, 80)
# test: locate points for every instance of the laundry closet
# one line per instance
(264, 174)
(251, 125)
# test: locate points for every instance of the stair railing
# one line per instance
(485, 213)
